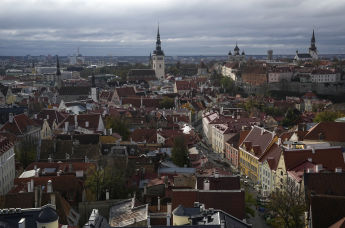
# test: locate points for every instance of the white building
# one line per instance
(7, 165)
(312, 55)
(324, 76)
(158, 59)
(206, 119)
(231, 70)
(279, 74)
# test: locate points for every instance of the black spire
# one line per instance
(158, 50)
(57, 66)
(312, 42)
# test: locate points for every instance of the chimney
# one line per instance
(47, 117)
(206, 184)
(222, 224)
(32, 185)
(37, 172)
(318, 168)
(107, 194)
(49, 186)
(10, 117)
(238, 116)
(110, 131)
(52, 198)
(309, 170)
(105, 131)
(29, 186)
(310, 160)
(86, 123)
(159, 204)
(36, 197)
(216, 174)
(279, 141)
(35, 116)
(262, 131)
(50, 159)
(313, 150)
(66, 126)
(75, 121)
(169, 209)
(21, 223)
(148, 221)
(338, 170)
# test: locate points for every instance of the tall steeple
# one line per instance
(158, 50)
(313, 50)
(158, 58)
(58, 80)
(312, 42)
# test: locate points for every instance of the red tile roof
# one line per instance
(330, 158)
(231, 202)
(50, 115)
(19, 125)
(327, 131)
(93, 120)
(272, 156)
(259, 140)
(219, 183)
(125, 91)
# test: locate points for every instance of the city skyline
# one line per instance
(187, 28)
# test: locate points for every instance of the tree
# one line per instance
(250, 203)
(227, 84)
(119, 125)
(167, 103)
(179, 154)
(287, 204)
(26, 152)
(111, 179)
(292, 117)
(327, 116)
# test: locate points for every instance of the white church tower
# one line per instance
(158, 59)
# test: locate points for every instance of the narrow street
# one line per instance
(257, 221)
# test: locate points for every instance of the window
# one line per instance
(281, 173)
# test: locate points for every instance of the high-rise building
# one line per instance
(158, 59)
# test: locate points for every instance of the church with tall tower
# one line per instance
(313, 49)
(311, 55)
(158, 59)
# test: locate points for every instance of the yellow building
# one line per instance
(254, 146)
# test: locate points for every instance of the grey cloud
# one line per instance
(187, 27)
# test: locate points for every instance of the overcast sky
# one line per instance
(188, 27)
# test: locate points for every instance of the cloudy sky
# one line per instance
(188, 27)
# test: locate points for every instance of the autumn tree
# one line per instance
(167, 103)
(327, 116)
(287, 204)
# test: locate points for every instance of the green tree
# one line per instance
(119, 125)
(26, 152)
(106, 179)
(327, 116)
(227, 84)
(287, 204)
(179, 154)
(292, 117)
(167, 103)
(250, 204)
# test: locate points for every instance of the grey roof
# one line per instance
(304, 55)
(176, 170)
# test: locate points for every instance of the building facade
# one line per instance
(7, 165)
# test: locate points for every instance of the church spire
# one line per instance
(312, 42)
(158, 50)
(58, 72)
(58, 80)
